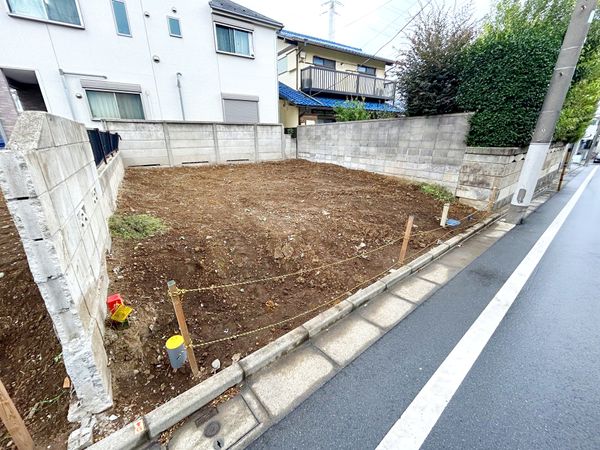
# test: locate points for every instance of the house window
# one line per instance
(323, 62)
(367, 70)
(240, 110)
(115, 105)
(59, 11)
(174, 27)
(234, 41)
(121, 19)
(282, 66)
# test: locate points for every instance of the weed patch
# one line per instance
(438, 192)
(135, 226)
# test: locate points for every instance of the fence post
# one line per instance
(13, 421)
(176, 299)
(407, 232)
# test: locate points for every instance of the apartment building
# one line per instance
(137, 59)
(316, 75)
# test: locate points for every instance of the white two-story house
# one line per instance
(138, 59)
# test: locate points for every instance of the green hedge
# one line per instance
(504, 81)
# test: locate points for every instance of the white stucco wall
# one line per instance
(98, 50)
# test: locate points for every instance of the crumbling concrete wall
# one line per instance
(60, 203)
(494, 171)
(424, 149)
(155, 143)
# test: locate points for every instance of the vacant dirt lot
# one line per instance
(31, 367)
(233, 223)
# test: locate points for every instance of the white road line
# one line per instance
(417, 421)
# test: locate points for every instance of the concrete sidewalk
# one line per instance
(272, 392)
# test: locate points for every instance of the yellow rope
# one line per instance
(311, 269)
(316, 308)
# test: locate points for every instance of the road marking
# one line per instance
(417, 421)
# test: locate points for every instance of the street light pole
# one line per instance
(557, 91)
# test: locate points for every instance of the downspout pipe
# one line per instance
(180, 95)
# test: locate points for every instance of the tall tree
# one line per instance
(428, 72)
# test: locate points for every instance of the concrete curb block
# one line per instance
(395, 276)
(366, 294)
(315, 325)
(185, 404)
(270, 352)
(421, 261)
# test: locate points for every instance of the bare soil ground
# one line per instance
(31, 367)
(229, 224)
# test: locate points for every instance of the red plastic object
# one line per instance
(113, 302)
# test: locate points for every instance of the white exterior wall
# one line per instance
(98, 50)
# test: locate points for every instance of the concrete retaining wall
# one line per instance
(424, 149)
(486, 168)
(148, 143)
(60, 203)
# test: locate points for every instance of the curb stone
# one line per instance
(185, 404)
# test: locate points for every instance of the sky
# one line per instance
(367, 24)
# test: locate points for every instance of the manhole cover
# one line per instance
(212, 428)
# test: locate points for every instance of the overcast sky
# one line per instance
(367, 24)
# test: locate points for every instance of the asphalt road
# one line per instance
(535, 385)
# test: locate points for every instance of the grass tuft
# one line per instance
(135, 226)
(438, 192)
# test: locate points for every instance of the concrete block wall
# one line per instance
(148, 143)
(60, 203)
(423, 149)
(486, 168)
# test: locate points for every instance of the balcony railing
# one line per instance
(319, 79)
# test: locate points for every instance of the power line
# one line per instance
(368, 14)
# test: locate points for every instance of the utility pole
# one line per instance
(331, 10)
(559, 86)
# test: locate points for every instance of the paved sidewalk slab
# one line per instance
(438, 273)
(285, 383)
(464, 255)
(234, 419)
(386, 310)
(415, 289)
(347, 339)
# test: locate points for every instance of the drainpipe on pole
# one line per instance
(575, 36)
(180, 95)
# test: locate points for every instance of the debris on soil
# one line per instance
(233, 223)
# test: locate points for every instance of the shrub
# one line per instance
(351, 110)
(135, 226)
(438, 192)
(429, 71)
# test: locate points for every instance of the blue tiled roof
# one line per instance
(369, 106)
(296, 97)
(299, 98)
(292, 36)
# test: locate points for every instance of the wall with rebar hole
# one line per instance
(60, 203)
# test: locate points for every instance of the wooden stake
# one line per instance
(13, 421)
(444, 218)
(176, 299)
(407, 232)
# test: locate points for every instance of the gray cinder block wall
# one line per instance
(424, 149)
(60, 203)
(152, 143)
(486, 168)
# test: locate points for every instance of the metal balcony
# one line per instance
(316, 80)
